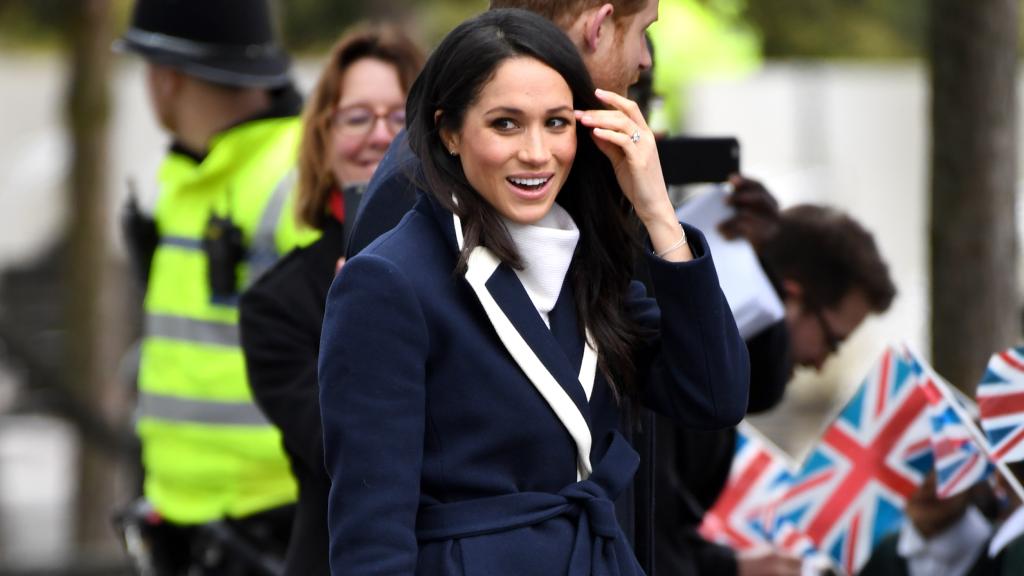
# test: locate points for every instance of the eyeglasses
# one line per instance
(360, 120)
(832, 340)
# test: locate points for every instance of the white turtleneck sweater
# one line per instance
(546, 250)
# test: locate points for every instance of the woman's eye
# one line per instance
(358, 119)
(504, 124)
(558, 122)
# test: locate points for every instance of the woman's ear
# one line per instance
(448, 138)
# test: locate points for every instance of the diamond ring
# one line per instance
(635, 137)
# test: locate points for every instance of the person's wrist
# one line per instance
(668, 241)
(658, 214)
(653, 211)
(675, 246)
(663, 230)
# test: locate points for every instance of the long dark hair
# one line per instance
(450, 83)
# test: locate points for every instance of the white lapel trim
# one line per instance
(458, 229)
(481, 266)
(588, 367)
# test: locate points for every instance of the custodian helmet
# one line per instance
(227, 42)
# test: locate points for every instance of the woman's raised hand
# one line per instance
(624, 137)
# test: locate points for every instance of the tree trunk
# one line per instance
(88, 263)
(973, 52)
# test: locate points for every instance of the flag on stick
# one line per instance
(851, 489)
(957, 445)
(1001, 402)
(760, 472)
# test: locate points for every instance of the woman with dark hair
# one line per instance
(477, 357)
(353, 113)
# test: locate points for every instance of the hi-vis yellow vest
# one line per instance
(207, 450)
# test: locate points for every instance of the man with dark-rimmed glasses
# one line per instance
(830, 276)
(832, 340)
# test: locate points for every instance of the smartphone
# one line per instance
(696, 160)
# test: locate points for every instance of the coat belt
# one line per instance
(600, 547)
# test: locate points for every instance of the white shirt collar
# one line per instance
(546, 249)
(951, 552)
(1010, 529)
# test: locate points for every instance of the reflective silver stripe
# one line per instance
(174, 409)
(195, 49)
(191, 330)
(181, 242)
(263, 252)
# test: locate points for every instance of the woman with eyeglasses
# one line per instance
(355, 110)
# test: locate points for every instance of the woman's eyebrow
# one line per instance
(516, 111)
(504, 110)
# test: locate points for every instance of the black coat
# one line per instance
(281, 316)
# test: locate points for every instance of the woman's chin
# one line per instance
(354, 174)
(527, 214)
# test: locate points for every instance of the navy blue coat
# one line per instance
(388, 196)
(457, 425)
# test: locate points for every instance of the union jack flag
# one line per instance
(960, 461)
(851, 489)
(760, 473)
(1001, 402)
(789, 538)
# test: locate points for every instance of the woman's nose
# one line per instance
(380, 135)
(534, 149)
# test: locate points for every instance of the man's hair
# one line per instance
(829, 254)
(562, 12)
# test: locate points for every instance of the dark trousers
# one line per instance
(251, 546)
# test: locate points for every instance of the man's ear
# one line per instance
(168, 81)
(597, 24)
(165, 86)
(792, 289)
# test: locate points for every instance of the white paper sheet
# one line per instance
(750, 294)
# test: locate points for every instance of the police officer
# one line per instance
(220, 84)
